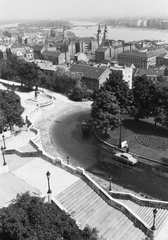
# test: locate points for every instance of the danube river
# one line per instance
(117, 33)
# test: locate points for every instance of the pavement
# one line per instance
(28, 173)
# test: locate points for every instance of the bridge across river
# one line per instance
(84, 26)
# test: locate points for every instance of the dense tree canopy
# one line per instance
(105, 110)
(146, 99)
(143, 98)
(69, 83)
(10, 109)
(149, 98)
(28, 74)
(29, 217)
(117, 85)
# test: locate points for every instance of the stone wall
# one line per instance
(139, 201)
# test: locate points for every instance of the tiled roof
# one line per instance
(87, 71)
(51, 53)
(101, 49)
(133, 54)
(149, 54)
(38, 47)
(164, 55)
(149, 72)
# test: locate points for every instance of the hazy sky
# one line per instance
(31, 9)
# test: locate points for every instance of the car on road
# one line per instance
(87, 126)
(125, 158)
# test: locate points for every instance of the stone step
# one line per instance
(90, 209)
(75, 189)
(119, 221)
(87, 215)
(124, 229)
(146, 213)
(75, 201)
(83, 203)
(161, 222)
(133, 234)
(133, 206)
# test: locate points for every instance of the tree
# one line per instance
(3, 120)
(29, 217)
(10, 105)
(117, 85)
(59, 78)
(145, 98)
(105, 110)
(29, 74)
(77, 93)
(65, 80)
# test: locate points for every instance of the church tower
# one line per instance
(99, 35)
(105, 35)
(64, 32)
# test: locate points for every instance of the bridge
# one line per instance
(84, 26)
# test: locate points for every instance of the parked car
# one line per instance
(125, 158)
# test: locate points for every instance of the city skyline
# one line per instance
(54, 9)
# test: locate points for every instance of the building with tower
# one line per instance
(64, 32)
(99, 35)
(105, 35)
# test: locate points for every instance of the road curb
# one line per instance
(134, 154)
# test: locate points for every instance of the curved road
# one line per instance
(86, 151)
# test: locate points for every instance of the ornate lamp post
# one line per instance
(3, 138)
(49, 190)
(154, 218)
(4, 162)
(110, 180)
(68, 160)
(119, 145)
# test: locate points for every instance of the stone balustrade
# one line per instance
(140, 201)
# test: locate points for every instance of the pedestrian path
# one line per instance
(87, 207)
(11, 185)
(146, 213)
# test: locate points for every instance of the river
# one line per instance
(117, 33)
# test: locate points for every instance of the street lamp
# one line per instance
(68, 160)
(119, 145)
(3, 138)
(4, 162)
(49, 190)
(110, 180)
(154, 218)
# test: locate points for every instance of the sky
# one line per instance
(58, 9)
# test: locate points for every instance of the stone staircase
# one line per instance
(88, 208)
(146, 213)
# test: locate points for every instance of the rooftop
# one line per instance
(101, 49)
(149, 72)
(149, 54)
(87, 70)
(38, 47)
(52, 53)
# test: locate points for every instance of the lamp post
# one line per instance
(154, 218)
(68, 160)
(119, 145)
(110, 179)
(4, 162)
(3, 138)
(49, 190)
